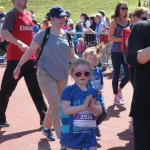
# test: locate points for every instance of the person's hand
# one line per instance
(23, 47)
(2, 19)
(93, 32)
(92, 102)
(16, 73)
(100, 91)
(87, 101)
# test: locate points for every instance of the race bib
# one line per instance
(96, 84)
(85, 119)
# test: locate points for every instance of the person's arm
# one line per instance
(8, 27)
(143, 55)
(96, 108)
(137, 53)
(100, 29)
(70, 110)
(31, 50)
(111, 31)
(8, 36)
(88, 30)
(70, 32)
(72, 55)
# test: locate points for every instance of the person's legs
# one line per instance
(8, 85)
(101, 117)
(99, 120)
(116, 62)
(125, 78)
(30, 77)
(52, 91)
(141, 133)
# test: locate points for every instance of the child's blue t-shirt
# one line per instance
(96, 81)
(72, 137)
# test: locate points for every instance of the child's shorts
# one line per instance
(91, 148)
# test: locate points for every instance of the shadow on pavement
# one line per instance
(43, 144)
(8, 137)
(108, 75)
(112, 112)
(127, 136)
(98, 145)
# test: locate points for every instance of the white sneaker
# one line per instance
(118, 101)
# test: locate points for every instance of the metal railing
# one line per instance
(108, 63)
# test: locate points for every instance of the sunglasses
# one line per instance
(79, 73)
(124, 8)
(143, 18)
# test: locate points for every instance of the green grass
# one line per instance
(40, 7)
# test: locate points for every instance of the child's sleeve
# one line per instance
(95, 94)
(66, 94)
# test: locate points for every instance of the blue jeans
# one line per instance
(117, 60)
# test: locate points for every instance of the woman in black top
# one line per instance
(90, 39)
(138, 56)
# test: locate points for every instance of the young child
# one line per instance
(79, 109)
(80, 47)
(92, 55)
(73, 34)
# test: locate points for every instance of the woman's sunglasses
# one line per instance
(79, 73)
(124, 8)
(143, 18)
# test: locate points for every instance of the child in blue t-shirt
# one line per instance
(80, 107)
(92, 55)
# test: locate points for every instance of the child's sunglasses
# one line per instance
(124, 8)
(79, 73)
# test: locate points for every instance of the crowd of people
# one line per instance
(76, 111)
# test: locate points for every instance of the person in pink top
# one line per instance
(65, 26)
(80, 47)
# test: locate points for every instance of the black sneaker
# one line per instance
(49, 135)
(4, 124)
(97, 132)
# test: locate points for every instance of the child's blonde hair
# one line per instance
(77, 62)
(95, 50)
(80, 39)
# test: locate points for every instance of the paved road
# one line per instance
(24, 132)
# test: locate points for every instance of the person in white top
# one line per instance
(85, 19)
(104, 20)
